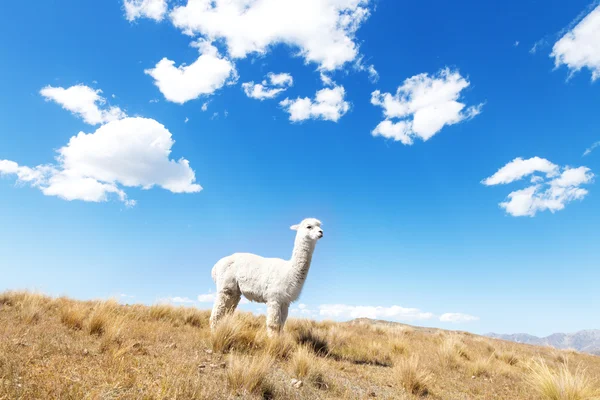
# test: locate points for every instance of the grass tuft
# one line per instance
(561, 384)
(451, 352)
(231, 333)
(309, 336)
(481, 367)
(412, 376)
(72, 316)
(509, 357)
(249, 375)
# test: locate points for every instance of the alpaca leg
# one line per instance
(273, 319)
(225, 303)
(284, 314)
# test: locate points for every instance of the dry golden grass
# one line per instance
(509, 357)
(278, 347)
(561, 383)
(452, 352)
(61, 348)
(481, 367)
(232, 334)
(247, 375)
(413, 376)
(73, 316)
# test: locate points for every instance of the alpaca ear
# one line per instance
(294, 227)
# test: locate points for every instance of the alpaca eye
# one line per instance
(309, 227)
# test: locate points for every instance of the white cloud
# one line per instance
(282, 79)
(580, 47)
(270, 87)
(180, 300)
(153, 9)
(204, 76)
(186, 120)
(340, 311)
(369, 69)
(329, 105)
(326, 79)
(552, 191)
(519, 168)
(457, 317)
(424, 105)
(591, 148)
(210, 298)
(323, 31)
(131, 152)
(84, 102)
(205, 105)
(303, 310)
(373, 74)
(207, 298)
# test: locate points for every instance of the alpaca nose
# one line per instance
(320, 234)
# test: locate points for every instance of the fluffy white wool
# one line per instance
(273, 281)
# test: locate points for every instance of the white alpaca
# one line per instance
(273, 281)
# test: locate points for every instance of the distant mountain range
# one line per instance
(587, 341)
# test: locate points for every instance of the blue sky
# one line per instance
(414, 229)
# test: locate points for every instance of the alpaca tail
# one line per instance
(213, 273)
(218, 265)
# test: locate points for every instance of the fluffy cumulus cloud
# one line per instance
(457, 317)
(519, 168)
(204, 76)
(153, 9)
(580, 47)
(422, 106)
(130, 152)
(338, 311)
(328, 104)
(322, 31)
(85, 102)
(270, 87)
(552, 187)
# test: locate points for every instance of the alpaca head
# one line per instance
(309, 228)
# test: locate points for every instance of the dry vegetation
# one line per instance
(61, 348)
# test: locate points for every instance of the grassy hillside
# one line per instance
(61, 348)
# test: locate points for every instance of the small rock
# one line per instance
(208, 351)
(201, 366)
(473, 377)
(171, 346)
(372, 394)
(223, 365)
(86, 352)
(296, 383)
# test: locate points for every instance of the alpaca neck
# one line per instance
(301, 258)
